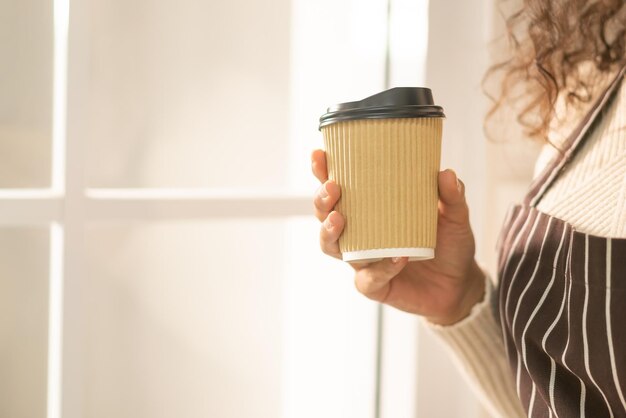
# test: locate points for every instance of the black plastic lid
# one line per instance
(398, 102)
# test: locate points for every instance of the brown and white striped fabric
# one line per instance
(562, 303)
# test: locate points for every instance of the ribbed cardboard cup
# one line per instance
(387, 170)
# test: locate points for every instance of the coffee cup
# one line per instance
(384, 153)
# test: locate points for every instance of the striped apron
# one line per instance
(561, 302)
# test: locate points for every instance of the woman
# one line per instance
(547, 340)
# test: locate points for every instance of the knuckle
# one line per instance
(327, 244)
(323, 243)
(364, 281)
(319, 201)
(365, 287)
(359, 283)
(317, 194)
(320, 214)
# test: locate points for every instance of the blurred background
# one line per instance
(158, 253)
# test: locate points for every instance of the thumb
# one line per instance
(452, 203)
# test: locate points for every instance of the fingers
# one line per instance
(330, 231)
(373, 281)
(318, 164)
(325, 199)
(453, 205)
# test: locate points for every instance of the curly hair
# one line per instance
(552, 46)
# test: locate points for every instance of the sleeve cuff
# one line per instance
(482, 308)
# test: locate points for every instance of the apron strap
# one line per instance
(541, 184)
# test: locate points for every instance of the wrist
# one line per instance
(472, 293)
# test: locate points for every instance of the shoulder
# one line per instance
(590, 193)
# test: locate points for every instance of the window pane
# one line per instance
(338, 55)
(224, 319)
(188, 93)
(26, 92)
(23, 322)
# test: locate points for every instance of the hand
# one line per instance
(443, 289)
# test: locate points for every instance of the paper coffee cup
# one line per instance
(384, 153)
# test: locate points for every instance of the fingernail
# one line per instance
(458, 184)
(328, 224)
(323, 192)
(395, 260)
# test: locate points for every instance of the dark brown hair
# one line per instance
(555, 48)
